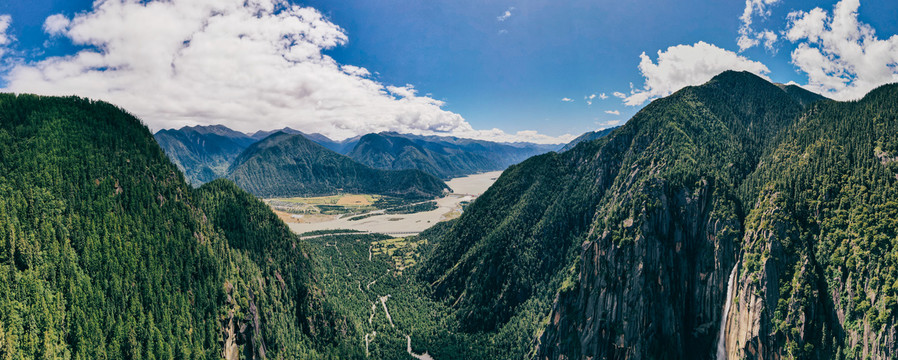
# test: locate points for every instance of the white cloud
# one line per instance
(505, 15)
(607, 124)
(612, 112)
(620, 94)
(524, 135)
(683, 65)
(842, 57)
(247, 64)
(603, 96)
(503, 32)
(589, 99)
(567, 99)
(357, 71)
(56, 24)
(769, 38)
(5, 38)
(747, 36)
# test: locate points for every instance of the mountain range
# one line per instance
(283, 165)
(736, 219)
(205, 153)
(444, 157)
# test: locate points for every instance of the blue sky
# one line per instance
(498, 64)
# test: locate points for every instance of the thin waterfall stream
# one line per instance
(722, 337)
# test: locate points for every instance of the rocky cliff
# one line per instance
(809, 225)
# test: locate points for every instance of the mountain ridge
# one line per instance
(292, 165)
(649, 219)
(107, 252)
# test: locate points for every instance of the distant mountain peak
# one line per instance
(293, 165)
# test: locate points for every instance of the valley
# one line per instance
(358, 212)
(750, 218)
(394, 315)
(448, 180)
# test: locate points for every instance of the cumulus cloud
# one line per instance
(56, 24)
(612, 112)
(747, 36)
(603, 96)
(5, 38)
(505, 15)
(620, 94)
(684, 65)
(842, 57)
(248, 64)
(567, 99)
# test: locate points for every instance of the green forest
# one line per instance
(107, 253)
(619, 247)
(285, 165)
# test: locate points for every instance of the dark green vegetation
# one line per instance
(284, 165)
(618, 248)
(589, 136)
(413, 208)
(444, 157)
(341, 147)
(824, 222)
(203, 153)
(106, 252)
(357, 284)
(206, 153)
(800, 95)
(633, 249)
(325, 232)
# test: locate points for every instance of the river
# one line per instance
(464, 189)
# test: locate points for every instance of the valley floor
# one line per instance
(391, 310)
(465, 189)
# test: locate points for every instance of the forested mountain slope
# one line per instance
(106, 252)
(444, 157)
(203, 153)
(396, 152)
(341, 147)
(292, 165)
(818, 272)
(643, 227)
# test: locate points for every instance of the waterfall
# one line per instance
(722, 337)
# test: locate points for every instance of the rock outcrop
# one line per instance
(660, 294)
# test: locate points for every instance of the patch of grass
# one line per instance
(402, 252)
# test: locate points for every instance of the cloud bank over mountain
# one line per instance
(256, 64)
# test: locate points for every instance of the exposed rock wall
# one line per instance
(660, 295)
